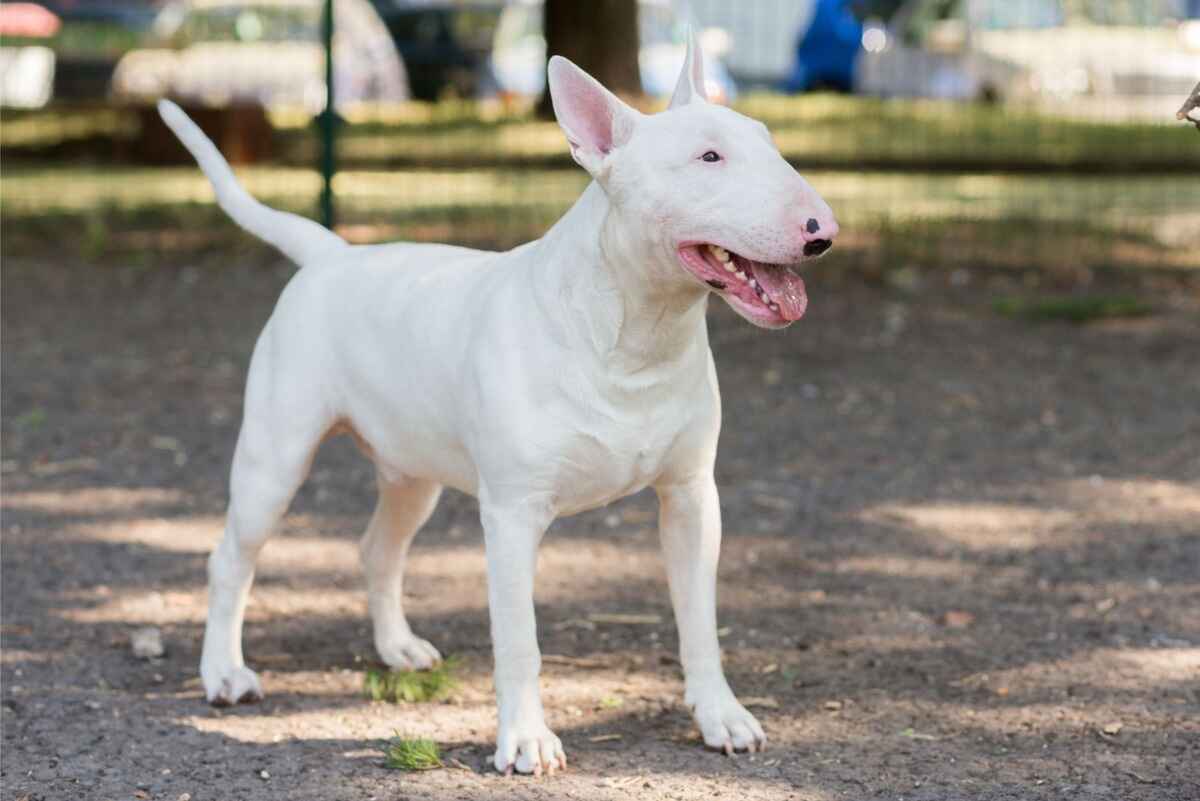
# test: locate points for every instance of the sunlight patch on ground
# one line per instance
(184, 535)
(1071, 508)
(579, 699)
(16, 656)
(977, 526)
(1034, 719)
(912, 567)
(164, 608)
(320, 576)
(1134, 500)
(90, 500)
(361, 722)
(1123, 669)
(1160, 664)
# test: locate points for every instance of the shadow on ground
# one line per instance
(961, 561)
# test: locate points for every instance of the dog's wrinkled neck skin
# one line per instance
(614, 290)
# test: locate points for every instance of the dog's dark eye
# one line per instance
(711, 156)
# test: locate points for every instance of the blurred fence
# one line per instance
(954, 139)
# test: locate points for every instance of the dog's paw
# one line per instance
(725, 724)
(533, 749)
(238, 685)
(407, 653)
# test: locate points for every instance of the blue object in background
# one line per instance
(826, 52)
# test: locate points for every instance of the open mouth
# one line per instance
(769, 294)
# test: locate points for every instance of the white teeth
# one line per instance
(743, 276)
(729, 268)
(721, 253)
(754, 283)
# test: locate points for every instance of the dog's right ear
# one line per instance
(595, 120)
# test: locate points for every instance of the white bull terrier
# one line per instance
(547, 380)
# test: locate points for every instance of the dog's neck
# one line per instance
(616, 291)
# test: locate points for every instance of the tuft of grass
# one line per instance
(32, 419)
(1074, 309)
(411, 686)
(414, 754)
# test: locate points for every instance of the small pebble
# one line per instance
(147, 643)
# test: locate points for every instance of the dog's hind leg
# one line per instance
(281, 430)
(402, 509)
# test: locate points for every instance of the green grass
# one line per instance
(817, 131)
(890, 218)
(915, 134)
(829, 131)
(414, 754)
(32, 419)
(1125, 202)
(894, 219)
(411, 686)
(1076, 310)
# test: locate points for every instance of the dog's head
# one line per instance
(724, 208)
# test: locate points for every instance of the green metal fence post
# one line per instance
(328, 121)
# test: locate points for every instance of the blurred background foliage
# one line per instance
(945, 133)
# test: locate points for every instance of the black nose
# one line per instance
(813, 226)
(817, 247)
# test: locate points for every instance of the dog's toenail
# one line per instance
(813, 226)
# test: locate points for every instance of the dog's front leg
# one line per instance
(690, 528)
(522, 741)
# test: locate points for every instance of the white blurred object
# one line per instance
(519, 50)
(763, 32)
(146, 643)
(715, 42)
(26, 76)
(874, 38)
(1044, 51)
(264, 52)
(1189, 34)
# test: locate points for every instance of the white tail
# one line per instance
(298, 238)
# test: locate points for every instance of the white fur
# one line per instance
(553, 378)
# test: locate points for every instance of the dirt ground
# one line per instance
(961, 561)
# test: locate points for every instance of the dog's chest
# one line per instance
(609, 451)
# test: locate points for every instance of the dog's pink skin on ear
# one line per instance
(594, 119)
(690, 87)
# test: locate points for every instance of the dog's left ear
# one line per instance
(690, 88)
(595, 120)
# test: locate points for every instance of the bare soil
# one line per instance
(962, 561)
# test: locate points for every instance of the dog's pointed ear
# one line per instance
(595, 120)
(690, 87)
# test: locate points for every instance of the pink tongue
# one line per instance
(784, 287)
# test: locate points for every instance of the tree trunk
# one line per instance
(600, 36)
